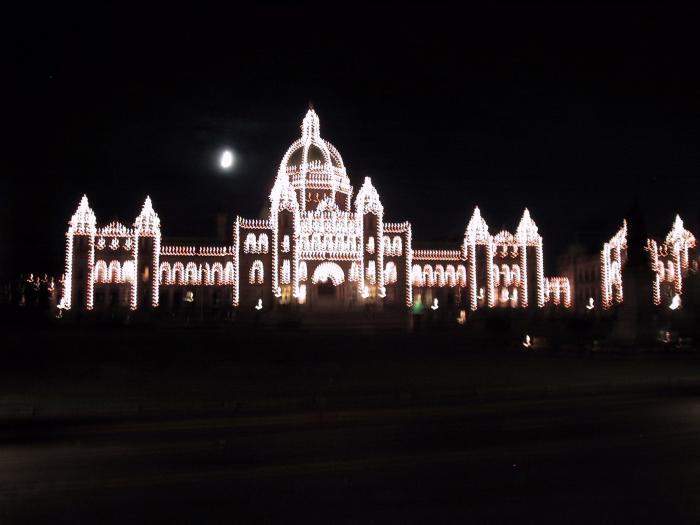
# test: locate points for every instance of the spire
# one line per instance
(477, 214)
(526, 221)
(310, 126)
(679, 234)
(147, 205)
(678, 223)
(367, 200)
(148, 220)
(477, 229)
(84, 218)
(527, 229)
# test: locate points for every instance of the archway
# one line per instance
(328, 271)
(328, 289)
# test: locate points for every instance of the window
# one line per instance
(256, 274)
(397, 245)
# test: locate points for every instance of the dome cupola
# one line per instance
(314, 167)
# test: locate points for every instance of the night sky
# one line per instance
(571, 112)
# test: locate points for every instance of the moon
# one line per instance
(226, 159)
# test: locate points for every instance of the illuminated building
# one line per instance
(322, 246)
(670, 261)
(582, 269)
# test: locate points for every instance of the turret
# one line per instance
(145, 290)
(79, 259)
(531, 262)
(369, 210)
(477, 250)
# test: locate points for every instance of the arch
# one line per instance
(206, 274)
(462, 276)
(164, 273)
(496, 275)
(328, 270)
(615, 272)
(257, 272)
(417, 276)
(397, 245)
(372, 272)
(386, 244)
(263, 243)
(428, 275)
(390, 273)
(370, 245)
(178, 276)
(249, 244)
(128, 272)
(670, 271)
(217, 273)
(286, 274)
(115, 272)
(228, 273)
(354, 272)
(100, 272)
(507, 278)
(515, 275)
(439, 275)
(191, 273)
(450, 276)
(555, 291)
(302, 271)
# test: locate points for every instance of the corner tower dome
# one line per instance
(314, 168)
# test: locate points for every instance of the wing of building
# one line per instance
(323, 246)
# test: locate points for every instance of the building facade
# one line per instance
(323, 246)
(583, 273)
(671, 261)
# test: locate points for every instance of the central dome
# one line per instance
(313, 166)
(311, 147)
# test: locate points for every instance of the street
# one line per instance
(586, 459)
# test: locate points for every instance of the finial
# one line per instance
(678, 223)
(148, 220)
(310, 125)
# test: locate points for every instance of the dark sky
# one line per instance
(572, 112)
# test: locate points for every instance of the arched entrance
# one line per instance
(328, 290)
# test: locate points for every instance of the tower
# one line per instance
(79, 259)
(370, 213)
(529, 242)
(145, 288)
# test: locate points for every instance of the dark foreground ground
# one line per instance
(145, 425)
